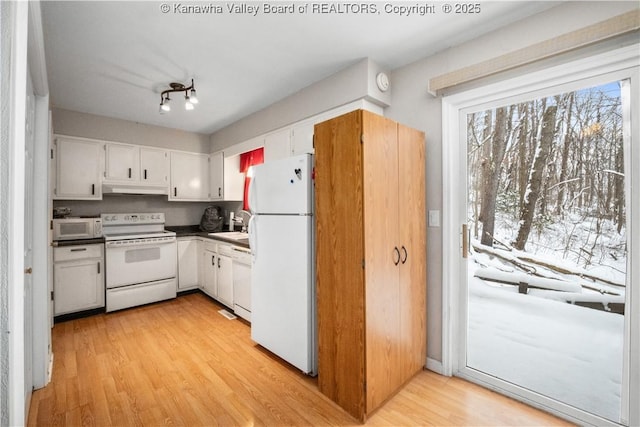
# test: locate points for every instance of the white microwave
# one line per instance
(77, 228)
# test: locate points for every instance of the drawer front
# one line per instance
(210, 246)
(70, 253)
(225, 250)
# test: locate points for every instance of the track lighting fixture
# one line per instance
(190, 98)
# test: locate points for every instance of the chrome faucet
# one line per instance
(243, 218)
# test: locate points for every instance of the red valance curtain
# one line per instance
(248, 159)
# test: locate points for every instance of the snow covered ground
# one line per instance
(567, 352)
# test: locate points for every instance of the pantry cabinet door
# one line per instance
(413, 241)
(382, 258)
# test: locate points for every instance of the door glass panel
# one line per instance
(548, 253)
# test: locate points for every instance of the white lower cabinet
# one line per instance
(78, 278)
(225, 274)
(189, 249)
(210, 269)
(217, 271)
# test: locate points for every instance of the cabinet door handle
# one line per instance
(404, 250)
(129, 172)
(465, 241)
(98, 267)
(396, 261)
(219, 192)
(78, 250)
(145, 174)
(175, 191)
(218, 262)
(213, 260)
(93, 189)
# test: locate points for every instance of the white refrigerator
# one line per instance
(281, 236)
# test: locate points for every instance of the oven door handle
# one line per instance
(132, 244)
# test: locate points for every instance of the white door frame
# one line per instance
(42, 205)
(23, 26)
(624, 62)
(17, 405)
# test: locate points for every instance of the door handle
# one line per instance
(219, 192)
(175, 191)
(129, 172)
(465, 241)
(145, 174)
(28, 270)
(396, 252)
(213, 260)
(404, 250)
(93, 189)
(98, 267)
(218, 262)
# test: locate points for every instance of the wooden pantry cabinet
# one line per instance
(371, 256)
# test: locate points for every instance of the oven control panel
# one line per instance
(132, 218)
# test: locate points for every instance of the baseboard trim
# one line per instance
(435, 366)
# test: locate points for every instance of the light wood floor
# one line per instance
(181, 363)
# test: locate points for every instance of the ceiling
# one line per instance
(114, 58)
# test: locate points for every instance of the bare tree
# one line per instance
(491, 169)
(546, 133)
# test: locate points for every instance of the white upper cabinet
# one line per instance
(233, 179)
(122, 162)
(226, 180)
(216, 175)
(302, 138)
(154, 166)
(79, 164)
(145, 166)
(189, 176)
(277, 145)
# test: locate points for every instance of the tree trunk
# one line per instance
(546, 134)
(565, 157)
(491, 168)
(619, 187)
(522, 153)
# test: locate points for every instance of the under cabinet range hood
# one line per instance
(132, 188)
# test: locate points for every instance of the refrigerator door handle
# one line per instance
(253, 236)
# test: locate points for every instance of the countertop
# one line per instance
(194, 230)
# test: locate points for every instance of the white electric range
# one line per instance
(141, 259)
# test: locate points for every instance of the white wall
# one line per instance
(351, 84)
(74, 123)
(413, 106)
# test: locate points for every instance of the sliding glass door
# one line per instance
(548, 249)
(542, 281)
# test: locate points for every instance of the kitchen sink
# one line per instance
(233, 235)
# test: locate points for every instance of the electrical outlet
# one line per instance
(434, 218)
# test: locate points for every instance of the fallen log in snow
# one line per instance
(518, 278)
